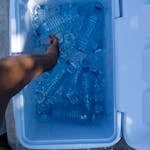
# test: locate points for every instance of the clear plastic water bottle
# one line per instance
(58, 97)
(54, 9)
(43, 108)
(58, 100)
(72, 115)
(40, 89)
(75, 61)
(77, 75)
(99, 102)
(38, 85)
(42, 85)
(57, 76)
(87, 29)
(69, 8)
(66, 52)
(88, 61)
(67, 49)
(72, 97)
(43, 112)
(98, 91)
(73, 14)
(99, 36)
(44, 40)
(99, 5)
(98, 109)
(69, 38)
(70, 93)
(87, 91)
(51, 25)
(77, 25)
(94, 62)
(91, 36)
(40, 97)
(43, 29)
(45, 88)
(39, 15)
(99, 60)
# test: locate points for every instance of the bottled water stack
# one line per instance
(86, 32)
(73, 90)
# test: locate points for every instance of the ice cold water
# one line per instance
(74, 89)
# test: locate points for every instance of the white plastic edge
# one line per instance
(13, 33)
(18, 113)
(12, 27)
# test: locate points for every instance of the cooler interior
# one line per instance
(74, 103)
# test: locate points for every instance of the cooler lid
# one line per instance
(132, 45)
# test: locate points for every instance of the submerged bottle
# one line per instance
(66, 52)
(99, 36)
(43, 111)
(91, 34)
(94, 62)
(51, 25)
(39, 94)
(44, 41)
(55, 24)
(72, 96)
(99, 91)
(39, 15)
(75, 115)
(99, 5)
(87, 29)
(57, 98)
(69, 38)
(71, 92)
(57, 75)
(75, 61)
(87, 92)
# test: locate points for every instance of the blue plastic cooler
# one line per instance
(126, 45)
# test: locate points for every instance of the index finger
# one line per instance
(54, 39)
